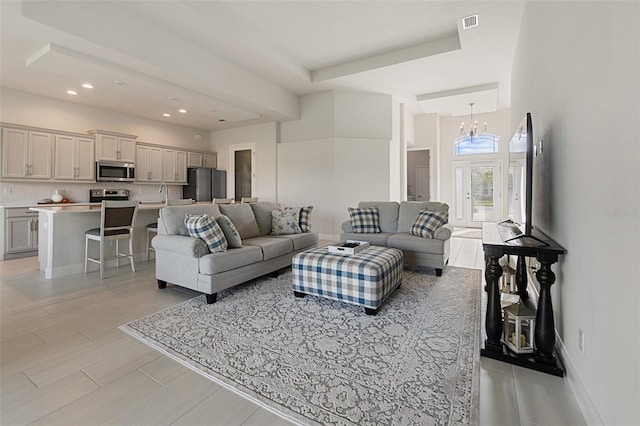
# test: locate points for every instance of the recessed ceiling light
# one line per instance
(87, 86)
(72, 92)
(184, 111)
(166, 114)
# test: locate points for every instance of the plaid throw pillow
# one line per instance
(428, 222)
(364, 220)
(304, 220)
(207, 229)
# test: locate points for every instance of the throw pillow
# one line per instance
(230, 232)
(365, 220)
(284, 222)
(207, 229)
(304, 217)
(428, 222)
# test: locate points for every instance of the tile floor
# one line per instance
(63, 360)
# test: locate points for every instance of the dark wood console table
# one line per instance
(497, 241)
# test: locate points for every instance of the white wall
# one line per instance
(336, 155)
(264, 137)
(577, 70)
(427, 136)
(24, 108)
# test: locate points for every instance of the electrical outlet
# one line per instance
(581, 340)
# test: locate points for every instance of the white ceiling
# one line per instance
(247, 62)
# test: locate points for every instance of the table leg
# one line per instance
(544, 334)
(493, 320)
(521, 277)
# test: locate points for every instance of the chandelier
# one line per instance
(473, 128)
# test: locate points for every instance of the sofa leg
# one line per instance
(298, 294)
(438, 272)
(211, 298)
(162, 284)
(370, 311)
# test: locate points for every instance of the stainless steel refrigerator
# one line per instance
(204, 184)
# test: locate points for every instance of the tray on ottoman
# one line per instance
(364, 279)
(347, 247)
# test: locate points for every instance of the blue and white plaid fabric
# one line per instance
(364, 220)
(364, 279)
(305, 218)
(207, 229)
(428, 222)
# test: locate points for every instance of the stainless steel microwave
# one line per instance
(115, 171)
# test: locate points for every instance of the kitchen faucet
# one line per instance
(166, 192)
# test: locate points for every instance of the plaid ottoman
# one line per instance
(364, 279)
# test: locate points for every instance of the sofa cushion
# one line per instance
(241, 214)
(302, 241)
(285, 222)
(409, 210)
(387, 214)
(215, 263)
(207, 229)
(230, 231)
(408, 242)
(271, 246)
(428, 222)
(172, 217)
(364, 220)
(262, 212)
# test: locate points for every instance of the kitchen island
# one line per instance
(61, 231)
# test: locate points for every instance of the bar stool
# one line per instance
(222, 201)
(152, 228)
(116, 223)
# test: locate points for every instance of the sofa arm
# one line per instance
(444, 232)
(178, 244)
(346, 226)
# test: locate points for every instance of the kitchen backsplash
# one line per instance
(20, 193)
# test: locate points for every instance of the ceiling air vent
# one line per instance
(470, 21)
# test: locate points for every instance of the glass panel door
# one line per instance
(477, 190)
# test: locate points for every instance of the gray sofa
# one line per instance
(186, 261)
(396, 220)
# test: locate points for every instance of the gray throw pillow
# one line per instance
(230, 231)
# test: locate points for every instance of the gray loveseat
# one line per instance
(186, 261)
(396, 220)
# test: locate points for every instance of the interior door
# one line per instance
(477, 193)
(422, 183)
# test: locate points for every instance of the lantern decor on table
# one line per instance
(507, 280)
(518, 327)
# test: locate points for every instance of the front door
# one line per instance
(477, 193)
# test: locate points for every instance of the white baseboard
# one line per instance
(585, 404)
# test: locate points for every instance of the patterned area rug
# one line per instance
(318, 361)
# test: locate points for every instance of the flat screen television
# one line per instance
(521, 175)
(521, 152)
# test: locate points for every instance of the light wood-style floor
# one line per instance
(63, 360)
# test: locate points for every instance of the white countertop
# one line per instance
(86, 207)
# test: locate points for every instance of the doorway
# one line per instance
(241, 176)
(418, 175)
(477, 193)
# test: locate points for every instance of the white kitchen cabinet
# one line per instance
(194, 159)
(175, 166)
(148, 163)
(26, 154)
(114, 146)
(74, 158)
(210, 160)
(21, 232)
